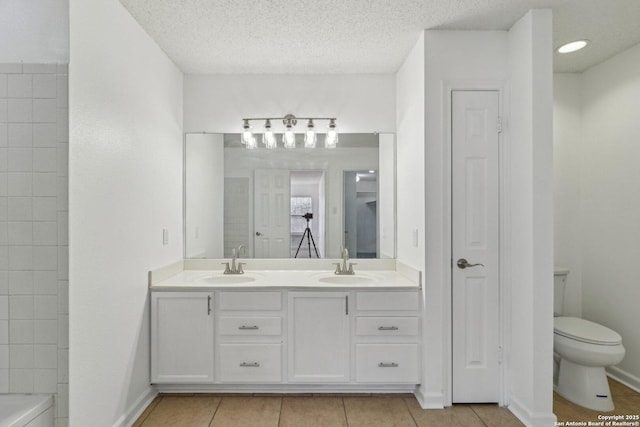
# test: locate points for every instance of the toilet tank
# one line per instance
(559, 282)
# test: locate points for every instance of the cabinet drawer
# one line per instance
(250, 326)
(250, 301)
(387, 300)
(250, 363)
(387, 326)
(387, 363)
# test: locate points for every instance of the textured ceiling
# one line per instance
(360, 36)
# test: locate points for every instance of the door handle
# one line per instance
(463, 263)
(258, 233)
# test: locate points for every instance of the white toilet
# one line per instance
(583, 349)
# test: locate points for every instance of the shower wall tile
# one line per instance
(20, 110)
(20, 86)
(3, 85)
(34, 288)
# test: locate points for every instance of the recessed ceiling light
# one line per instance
(573, 46)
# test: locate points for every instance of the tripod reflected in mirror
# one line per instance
(307, 233)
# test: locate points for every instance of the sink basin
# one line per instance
(226, 279)
(345, 280)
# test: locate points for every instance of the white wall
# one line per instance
(567, 158)
(410, 122)
(204, 185)
(34, 31)
(610, 206)
(361, 103)
(530, 272)
(454, 60)
(125, 162)
(410, 200)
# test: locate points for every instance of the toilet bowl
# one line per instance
(585, 348)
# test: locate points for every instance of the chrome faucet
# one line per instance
(235, 268)
(342, 269)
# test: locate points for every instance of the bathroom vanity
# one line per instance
(285, 330)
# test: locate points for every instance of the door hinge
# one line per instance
(499, 124)
(499, 355)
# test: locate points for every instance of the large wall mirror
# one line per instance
(296, 203)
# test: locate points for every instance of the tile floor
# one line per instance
(314, 410)
(225, 410)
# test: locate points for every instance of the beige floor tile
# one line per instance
(377, 412)
(183, 411)
(618, 389)
(342, 394)
(627, 404)
(402, 395)
(493, 415)
(452, 416)
(248, 411)
(312, 412)
(569, 411)
(177, 394)
(147, 411)
(283, 394)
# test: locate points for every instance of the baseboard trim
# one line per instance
(429, 400)
(624, 377)
(137, 408)
(529, 418)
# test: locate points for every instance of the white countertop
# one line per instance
(288, 279)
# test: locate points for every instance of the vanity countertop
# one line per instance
(284, 279)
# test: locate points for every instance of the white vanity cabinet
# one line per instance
(387, 327)
(182, 337)
(249, 337)
(285, 339)
(319, 337)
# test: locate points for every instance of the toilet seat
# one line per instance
(585, 331)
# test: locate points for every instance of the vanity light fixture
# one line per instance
(573, 46)
(289, 121)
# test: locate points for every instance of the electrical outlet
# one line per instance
(165, 236)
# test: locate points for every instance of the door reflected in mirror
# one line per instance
(361, 213)
(290, 203)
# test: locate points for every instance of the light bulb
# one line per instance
(310, 136)
(331, 138)
(289, 138)
(269, 138)
(246, 135)
(252, 143)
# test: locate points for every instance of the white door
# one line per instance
(475, 221)
(181, 337)
(272, 216)
(318, 337)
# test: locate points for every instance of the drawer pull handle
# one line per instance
(250, 365)
(243, 327)
(387, 365)
(388, 328)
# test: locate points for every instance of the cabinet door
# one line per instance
(318, 337)
(181, 337)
